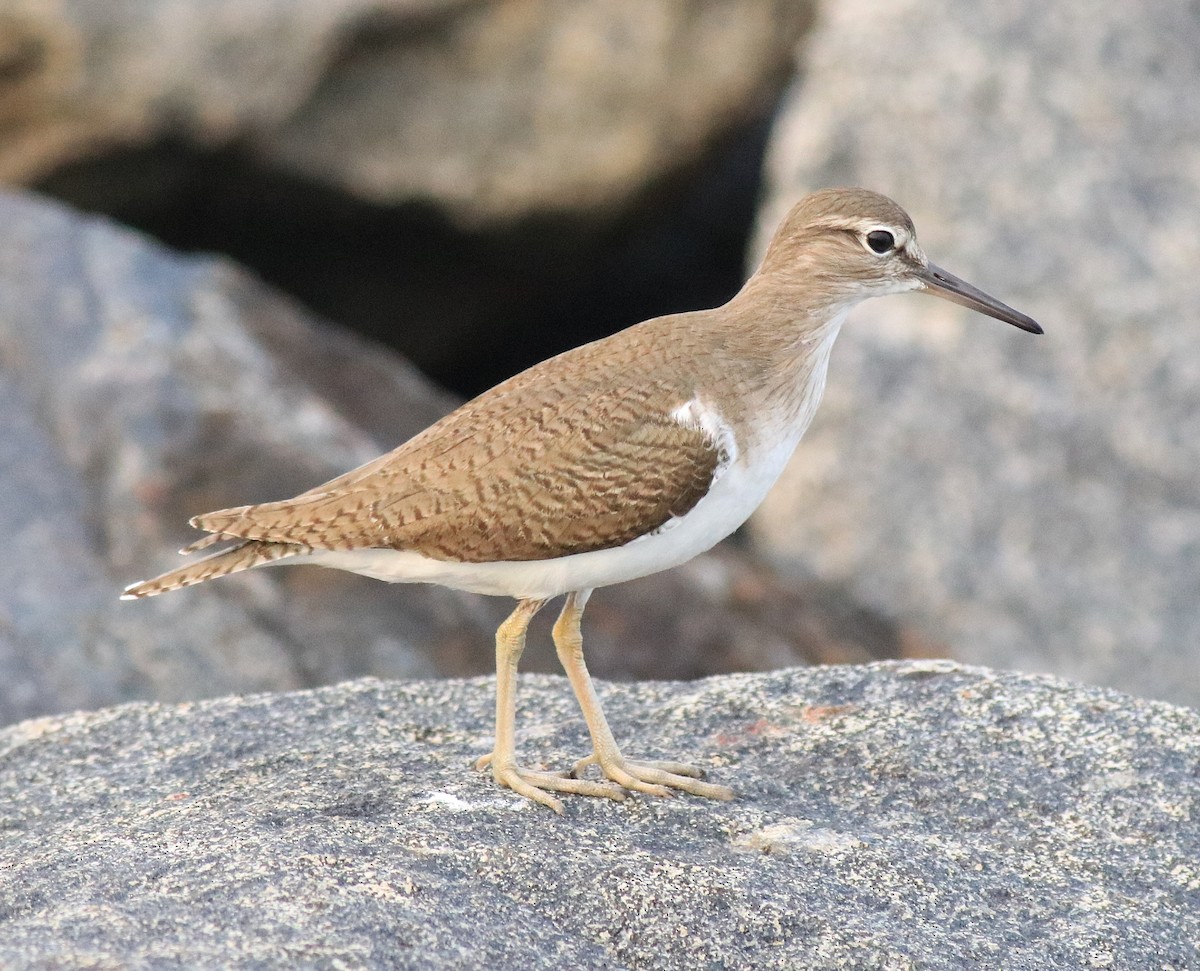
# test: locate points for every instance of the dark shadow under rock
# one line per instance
(469, 306)
(919, 814)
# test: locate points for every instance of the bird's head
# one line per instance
(840, 246)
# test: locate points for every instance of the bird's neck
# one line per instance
(776, 346)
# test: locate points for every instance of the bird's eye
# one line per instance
(881, 241)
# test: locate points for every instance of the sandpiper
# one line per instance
(606, 463)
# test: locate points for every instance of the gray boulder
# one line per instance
(139, 386)
(916, 815)
(1031, 503)
(490, 111)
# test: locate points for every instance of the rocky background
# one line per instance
(345, 216)
(1034, 504)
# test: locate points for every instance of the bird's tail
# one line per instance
(233, 560)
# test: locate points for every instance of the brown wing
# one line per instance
(512, 476)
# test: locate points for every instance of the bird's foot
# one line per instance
(537, 786)
(656, 778)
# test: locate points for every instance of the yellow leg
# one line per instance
(657, 778)
(510, 642)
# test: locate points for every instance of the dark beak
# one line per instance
(942, 284)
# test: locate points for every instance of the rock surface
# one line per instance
(1031, 502)
(917, 815)
(140, 388)
(490, 111)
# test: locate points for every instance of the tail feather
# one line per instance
(204, 542)
(233, 560)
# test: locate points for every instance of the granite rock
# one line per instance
(1031, 502)
(892, 816)
(142, 387)
(489, 111)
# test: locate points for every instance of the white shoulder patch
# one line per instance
(696, 414)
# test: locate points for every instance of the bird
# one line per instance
(611, 461)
